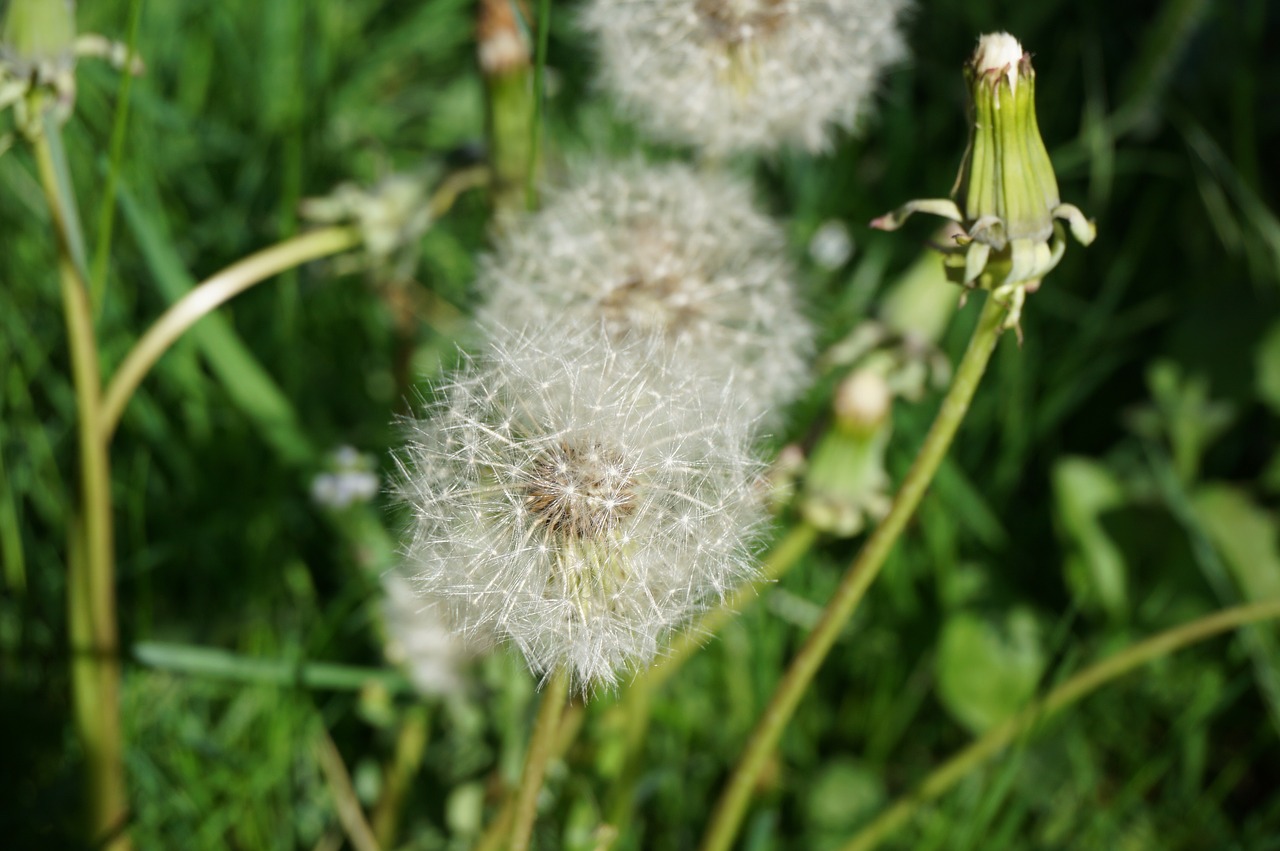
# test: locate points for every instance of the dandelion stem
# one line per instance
(541, 745)
(1081, 685)
(733, 802)
(539, 100)
(411, 741)
(345, 799)
(91, 601)
(500, 826)
(206, 297)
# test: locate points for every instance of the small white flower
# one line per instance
(660, 252)
(576, 506)
(420, 639)
(350, 479)
(745, 75)
(831, 246)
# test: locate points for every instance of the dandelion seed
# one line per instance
(745, 75)
(606, 513)
(660, 252)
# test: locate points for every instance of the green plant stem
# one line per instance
(782, 558)
(539, 101)
(732, 806)
(206, 297)
(91, 600)
(411, 741)
(500, 825)
(541, 745)
(119, 128)
(345, 800)
(1081, 685)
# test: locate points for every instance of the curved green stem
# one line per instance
(541, 745)
(782, 558)
(732, 806)
(1081, 685)
(206, 297)
(91, 600)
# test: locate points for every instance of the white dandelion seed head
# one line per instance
(575, 506)
(660, 252)
(745, 75)
(420, 639)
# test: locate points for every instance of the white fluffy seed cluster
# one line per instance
(745, 75)
(579, 498)
(665, 253)
(586, 482)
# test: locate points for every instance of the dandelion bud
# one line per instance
(575, 506)
(862, 401)
(847, 482)
(1011, 215)
(39, 37)
(661, 253)
(745, 75)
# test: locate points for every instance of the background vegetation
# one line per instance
(1117, 475)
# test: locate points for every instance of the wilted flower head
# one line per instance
(745, 75)
(393, 216)
(663, 253)
(574, 505)
(38, 52)
(420, 639)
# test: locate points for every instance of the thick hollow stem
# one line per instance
(541, 745)
(1081, 685)
(733, 802)
(91, 602)
(206, 297)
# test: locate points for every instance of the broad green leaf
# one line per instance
(1083, 491)
(1268, 368)
(1247, 535)
(988, 668)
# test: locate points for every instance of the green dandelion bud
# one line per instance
(38, 34)
(1012, 216)
(847, 482)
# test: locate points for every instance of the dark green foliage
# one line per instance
(1133, 437)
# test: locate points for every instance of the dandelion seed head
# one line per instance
(660, 253)
(577, 533)
(745, 75)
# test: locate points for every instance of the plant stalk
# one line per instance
(1081, 685)
(204, 299)
(91, 600)
(781, 559)
(733, 802)
(541, 745)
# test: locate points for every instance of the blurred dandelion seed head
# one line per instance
(745, 75)
(575, 505)
(661, 253)
(420, 639)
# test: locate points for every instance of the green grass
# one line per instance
(1161, 120)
